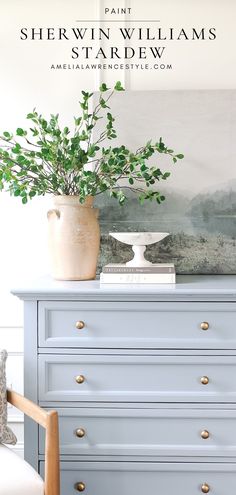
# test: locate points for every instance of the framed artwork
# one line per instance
(200, 207)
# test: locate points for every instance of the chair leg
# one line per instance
(52, 476)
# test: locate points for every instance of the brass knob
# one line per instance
(205, 434)
(205, 488)
(79, 325)
(79, 379)
(204, 325)
(80, 432)
(80, 487)
(204, 380)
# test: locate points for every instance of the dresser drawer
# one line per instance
(137, 378)
(135, 478)
(157, 432)
(137, 325)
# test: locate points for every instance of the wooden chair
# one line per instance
(49, 421)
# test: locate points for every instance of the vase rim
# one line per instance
(73, 200)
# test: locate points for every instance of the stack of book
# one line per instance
(157, 273)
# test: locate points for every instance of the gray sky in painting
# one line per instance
(199, 124)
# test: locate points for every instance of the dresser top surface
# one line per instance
(188, 287)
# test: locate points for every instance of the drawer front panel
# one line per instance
(137, 378)
(137, 325)
(128, 478)
(168, 432)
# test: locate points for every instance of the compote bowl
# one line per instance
(139, 241)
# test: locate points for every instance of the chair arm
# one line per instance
(49, 421)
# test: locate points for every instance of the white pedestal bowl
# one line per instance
(139, 241)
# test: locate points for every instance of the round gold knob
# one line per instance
(205, 488)
(80, 487)
(79, 325)
(205, 434)
(80, 432)
(204, 325)
(79, 379)
(204, 380)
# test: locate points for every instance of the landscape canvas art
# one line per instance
(200, 207)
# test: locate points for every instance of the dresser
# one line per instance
(143, 379)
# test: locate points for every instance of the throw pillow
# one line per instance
(6, 435)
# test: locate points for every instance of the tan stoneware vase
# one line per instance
(74, 238)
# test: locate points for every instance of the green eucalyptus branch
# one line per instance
(50, 159)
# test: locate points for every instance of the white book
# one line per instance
(137, 278)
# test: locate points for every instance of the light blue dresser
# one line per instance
(144, 380)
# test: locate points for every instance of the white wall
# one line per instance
(26, 82)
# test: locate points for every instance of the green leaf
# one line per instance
(121, 197)
(34, 132)
(32, 194)
(77, 120)
(113, 194)
(83, 105)
(103, 88)
(7, 135)
(142, 199)
(103, 103)
(180, 156)
(166, 175)
(118, 86)
(16, 149)
(85, 94)
(20, 131)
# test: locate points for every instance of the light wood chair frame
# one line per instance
(49, 421)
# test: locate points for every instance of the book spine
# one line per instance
(137, 278)
(131, 270)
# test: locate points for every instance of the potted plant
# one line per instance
(75, 167)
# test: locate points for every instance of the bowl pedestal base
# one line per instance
(138, 259)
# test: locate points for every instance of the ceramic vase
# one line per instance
(74, 238)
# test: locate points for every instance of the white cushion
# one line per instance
(17, 477)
